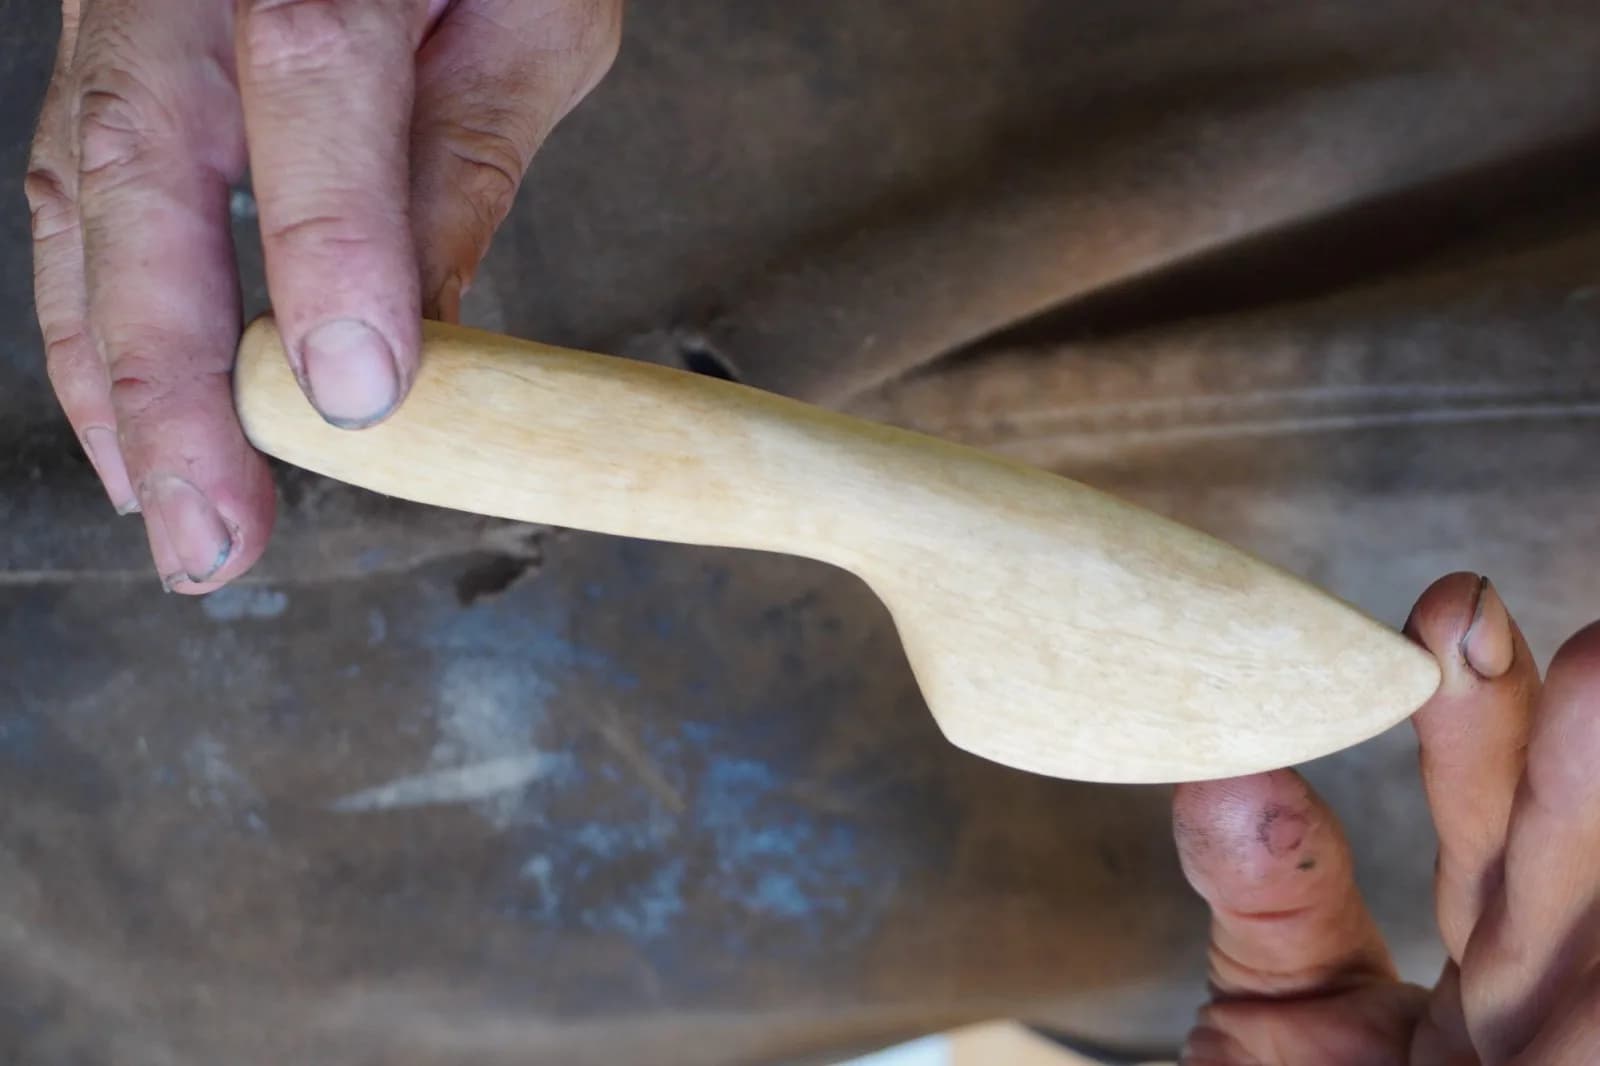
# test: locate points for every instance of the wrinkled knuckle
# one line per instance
(132, 396)
(310, 236)
(492, 170)
(50, 207)
(72, 376)
(291, 38)
(139, 376)
(1232, 973)
(119, 120)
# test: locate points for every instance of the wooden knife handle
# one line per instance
(1051, 627)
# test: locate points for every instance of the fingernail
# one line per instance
(192, 527)
(350, 373)
(106, 456)
(1488, 646)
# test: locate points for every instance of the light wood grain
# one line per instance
(1050, 627)
(1011, 1044)
(997, 1043)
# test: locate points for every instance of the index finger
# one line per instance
(1473, 734)
(327, 88)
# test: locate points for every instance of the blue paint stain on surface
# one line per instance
(539, 870)
(372, 559)
(697, 733)
(19, 737)
(745, 869)
(781, 894)
(713, 833)
(647, 912)
(608, 841)
(777, 857)
(727, 778)
(502, 663)
(527, 630)
(720, 855)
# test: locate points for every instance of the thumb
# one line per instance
(1299, 973)
(493, 79)
(1272, 861)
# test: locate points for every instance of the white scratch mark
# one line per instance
(460, 784)
(490, 711)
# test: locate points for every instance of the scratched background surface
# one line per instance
(436, 789)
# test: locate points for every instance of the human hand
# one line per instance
(1299, 973)
(385, 139)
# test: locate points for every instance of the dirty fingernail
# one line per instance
(106, 455)
(191, 526)
(1488, 645)
(350, 373)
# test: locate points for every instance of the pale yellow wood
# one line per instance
(1010, 1044)
(1050, 627)
(994, 1043)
